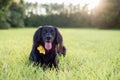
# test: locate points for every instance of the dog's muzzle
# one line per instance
(48, 43)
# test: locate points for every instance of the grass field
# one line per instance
(91, 55)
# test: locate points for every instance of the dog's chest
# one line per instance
(49, 56)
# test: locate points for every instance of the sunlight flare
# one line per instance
(93, 4)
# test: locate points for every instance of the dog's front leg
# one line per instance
(34, 57)
(55, 62)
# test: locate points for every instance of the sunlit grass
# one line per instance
(91, 55)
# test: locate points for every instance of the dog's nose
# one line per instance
(48, 38)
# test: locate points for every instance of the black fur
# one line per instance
(52, 34)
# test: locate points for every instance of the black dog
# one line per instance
(47, 44)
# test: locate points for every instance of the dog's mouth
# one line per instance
(48, 45)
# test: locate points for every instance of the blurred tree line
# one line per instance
(17, 13)
(12, 13)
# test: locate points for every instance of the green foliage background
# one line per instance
(20, 14)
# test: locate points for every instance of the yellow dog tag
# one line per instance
(41, 49)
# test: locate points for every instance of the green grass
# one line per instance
(91, 55)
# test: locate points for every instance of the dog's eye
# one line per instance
(52, 31)
(44, 32)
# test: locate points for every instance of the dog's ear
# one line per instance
(58, 37)
(59, 43)
(37, 36)
(58, 40)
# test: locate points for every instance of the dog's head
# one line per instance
(48, 36)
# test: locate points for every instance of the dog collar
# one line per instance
(41, 49)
